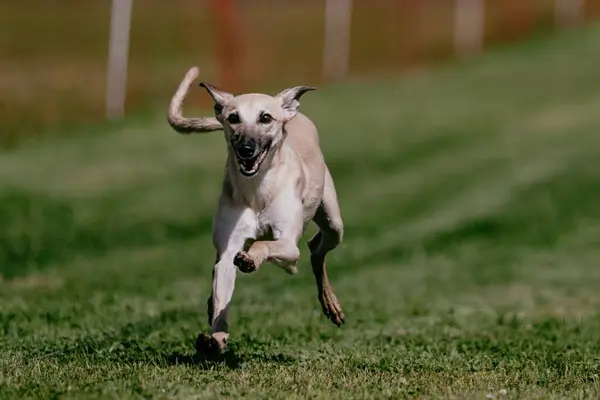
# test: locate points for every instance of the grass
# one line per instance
(470, 264)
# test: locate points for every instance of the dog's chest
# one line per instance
(264, 228)
(268, 224)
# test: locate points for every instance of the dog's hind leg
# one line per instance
(330, 235)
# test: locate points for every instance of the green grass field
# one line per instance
(470, 266)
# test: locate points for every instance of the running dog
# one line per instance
(275, 182)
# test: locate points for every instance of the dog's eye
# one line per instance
(266, 119)
(233, 119)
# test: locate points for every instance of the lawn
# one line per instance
(470, 266)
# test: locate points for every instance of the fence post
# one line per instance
(118, 49)
(336, 52)
(568, 12)
(469, 17)
(228, 48)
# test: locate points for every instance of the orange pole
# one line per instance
(520, 18)
(228, 50)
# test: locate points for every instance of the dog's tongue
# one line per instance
(248, 164)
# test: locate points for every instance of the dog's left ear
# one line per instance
(220, 97)
(290, 99)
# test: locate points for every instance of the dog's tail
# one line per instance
(185, 125)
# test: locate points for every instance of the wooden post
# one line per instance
(521, 18)
(118, 51)
(228, 50)
(336, 52)
(568, 12)
(469, 18)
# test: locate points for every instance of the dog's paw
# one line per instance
(244, 263)
(210, 346)
(332, 307)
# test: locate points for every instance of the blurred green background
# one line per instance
(53, 53)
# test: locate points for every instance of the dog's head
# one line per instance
(254, 124)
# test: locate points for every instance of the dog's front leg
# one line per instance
(232, 226)
(283, 252)
(285, 219)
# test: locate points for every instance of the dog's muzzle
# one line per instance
(250, 156)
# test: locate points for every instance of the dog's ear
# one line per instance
(220, 97)
(290, 99)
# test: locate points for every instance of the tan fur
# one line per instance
(269, 195)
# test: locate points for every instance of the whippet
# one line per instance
(275, 182)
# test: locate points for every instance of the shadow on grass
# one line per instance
(131, 351)
(233, 357)
(228, 358)
(154, 341)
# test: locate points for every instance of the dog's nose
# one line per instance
(246, 149)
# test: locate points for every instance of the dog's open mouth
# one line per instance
(249, 166)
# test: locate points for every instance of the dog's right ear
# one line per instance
(290, 99)
(220, 97)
